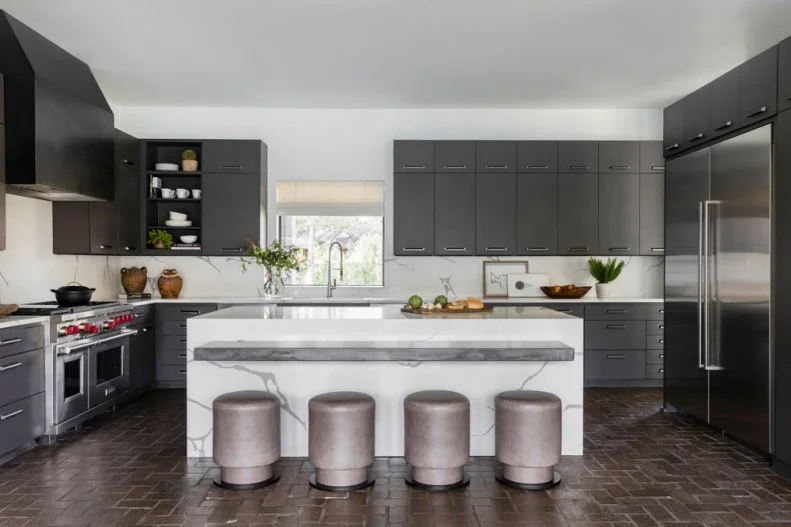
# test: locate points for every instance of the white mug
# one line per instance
(168, 193)
(182, 193)
(196, 193)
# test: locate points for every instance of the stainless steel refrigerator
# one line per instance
(717, 286)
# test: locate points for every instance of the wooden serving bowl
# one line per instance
(577, 292)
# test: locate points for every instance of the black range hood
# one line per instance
(59, 127)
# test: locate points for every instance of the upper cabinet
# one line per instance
(128, 183)
(413, 214)
(724, 104)
(651, 158)
(495, 214)
(454, 213)
(619, 214)
(232, 212)
(413, 156)
(578, 156)
(2, 101)
(673, 124)
(784, 75)
(619, 156)
(454, 156)
(232, 156)
(758, 87)
(696, 118)
(537, 156)
(495, 156)
(2, 166)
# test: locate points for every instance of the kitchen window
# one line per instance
(313, 214)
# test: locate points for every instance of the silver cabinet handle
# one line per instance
(657, 249)
(698, 137)
(138, 315)
(723, 126)
(414, 167)
(109, 391)
(616, 311)
(538, 249)
(496, 249)
(672, 147)
(538, 167)
(231, 167)
(615, 356)
(578, 249)
(10, 366)
(661, 370)
(454, 167)
(9, 342)
(103, 246)
(660, 341)
(620, 249)
(658, 167)
(660, 355)
(182, 326)
(182, 372)
(496, 167)
(761, 110)
(9, 416)
(189, 311)
(145, 330)
(231, 249)
(456, 249)
(128, 248)
(127, 162)
(660, 311)
(661, 326)
(182, 355)
(562, 310)
(616, 326)
(620, 167)
(579, 167)
(414, 249)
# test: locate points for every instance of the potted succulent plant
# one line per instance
(276, 259)
(189, 161)
(604, 273)
(160, 239)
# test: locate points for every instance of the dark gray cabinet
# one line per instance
(231, 156)
(413, 156)
(454, 156)
(537, 156)
(536, 214)
(127, 193)
(495, 156)
(578, 214)
(651, 158)
(781, 284)
(619, 214)
(724, 104)
(413, 214)
(758, 87)
(673, 125)
(696, 118)
(142, 358)
(619, 156)
(171, 341)
(454, 214)
(2, 184)
(495, 214)
(784, 75)
(71, 227)
(578, 156)
(652, 214)
(232, 212)
(2, 99)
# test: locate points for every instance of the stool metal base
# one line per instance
(528, 486)
(329, 488)
(463, 482)
(248, 486)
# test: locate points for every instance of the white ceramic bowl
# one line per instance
(166, 166)
(178, 216)
(188, 239)
(178, 223)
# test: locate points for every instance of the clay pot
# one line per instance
(134, 279)
(170, 284)
(189, 165)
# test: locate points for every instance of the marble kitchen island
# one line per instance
(298, 352)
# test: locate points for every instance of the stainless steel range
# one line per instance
(87, 360)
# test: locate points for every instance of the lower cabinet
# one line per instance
(142, 359)
(171, 342)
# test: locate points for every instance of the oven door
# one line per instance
(71, 385)
(109, 368)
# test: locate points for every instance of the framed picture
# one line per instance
(495, 277)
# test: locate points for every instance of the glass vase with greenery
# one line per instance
(275, 259)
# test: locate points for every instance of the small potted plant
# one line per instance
(189, 161)
(276, 259)
(160, 239)
(604, 273)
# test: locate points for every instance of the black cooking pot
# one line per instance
(73, 295)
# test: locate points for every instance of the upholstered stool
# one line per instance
(341, 440)
(246, 439)
(437, 439)
(528, 438)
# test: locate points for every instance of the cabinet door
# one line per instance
(619, 156)
(495, 156)
(784, 75)
(696, 118)
(2, 180)
(142, 357)
(2, 99)
(651, 159)
(495, 214)
(537, 156)
(232, 211)
(578, 214)
(724, 104)
(413, 214)
(454, 156)
(104, 227)
(758, 87)
(71, 227)
(578, 156)
(782, 282)
(652, 214)
(128, 193)
(536, 214)
(241, 156)
(413, 156)
(673, 127)
(619, 214)
(454, 214)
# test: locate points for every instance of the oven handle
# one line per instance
(70, 349)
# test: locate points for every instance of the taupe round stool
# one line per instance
(437, 439)
(246, 439)
(341, 440)
(528, 438)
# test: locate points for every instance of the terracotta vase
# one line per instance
(189, 165)
(134, 279)
(170, 284)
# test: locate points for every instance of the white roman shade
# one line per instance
(330, 198)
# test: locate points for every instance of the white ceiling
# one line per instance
(407, 53)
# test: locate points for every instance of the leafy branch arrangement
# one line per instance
(277, 256)
(160, 237)
(605, 272)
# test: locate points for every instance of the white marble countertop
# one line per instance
(13, 321)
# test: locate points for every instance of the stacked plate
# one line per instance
(166, 167)
(178, 219)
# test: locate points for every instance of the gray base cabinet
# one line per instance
(142, 359)
(171, 341)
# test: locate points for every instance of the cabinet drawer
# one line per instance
(655, 312)
(413, 156)
(239, 156)
(143, 315)
(615, 312)
(570, 309)
(172, 357)
(618, 364)
(21, 422)
(183, 311)
(655, 327)
(178, 342)
(615, 334)
(21, 376)
(18, 340)
(655, 357)
(175, 328)
(655, 342)
(170, 372)
(654, 372)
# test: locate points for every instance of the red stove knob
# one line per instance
(73, 330)
(129, 318)
(94, 328)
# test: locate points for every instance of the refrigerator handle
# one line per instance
(701, 279)
(706, 260)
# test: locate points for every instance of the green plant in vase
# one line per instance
(189, 161)
(604, 272)
(275, 259)
(160, 239)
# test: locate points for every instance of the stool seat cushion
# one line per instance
(246, 429)
(528, 428)
(437, 429)
(341, 430)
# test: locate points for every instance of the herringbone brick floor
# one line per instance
(640, 468)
